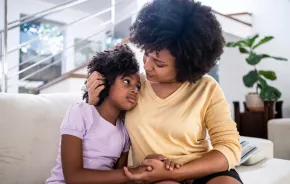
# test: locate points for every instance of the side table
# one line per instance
(254, 124)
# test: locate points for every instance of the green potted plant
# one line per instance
(257, 78)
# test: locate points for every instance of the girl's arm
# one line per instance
(74, 173)
(122, 161)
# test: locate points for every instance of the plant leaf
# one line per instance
(264, 40)
(262, 82)
(251, 78)
(251, 40)
(254, 59)
(268, 74)
(279, 58)
(230, 44)
(243, 50)
(270, 93)
(239, 43)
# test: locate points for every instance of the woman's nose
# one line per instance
(147, 63)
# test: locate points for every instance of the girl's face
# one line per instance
(160, 67)
(124, 92)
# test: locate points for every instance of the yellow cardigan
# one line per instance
(176, 126)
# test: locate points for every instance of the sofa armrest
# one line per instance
(279, 134)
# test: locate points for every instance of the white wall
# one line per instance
(232, 68)
(234, 27)
(272, 17)
(125, 8)
(65, 86)
(80, 30)
(229, 6)
(269, 18)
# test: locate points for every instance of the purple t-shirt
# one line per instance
(103, 142)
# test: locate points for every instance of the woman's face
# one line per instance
(160, 67)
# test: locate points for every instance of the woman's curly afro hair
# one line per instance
(112, 63)
(187, 29)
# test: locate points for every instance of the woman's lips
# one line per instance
(149, 75)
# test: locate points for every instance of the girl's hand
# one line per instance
(95, 85)
(159, 172)
(170, 165)
(138, 170)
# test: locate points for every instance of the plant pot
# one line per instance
(254, 102)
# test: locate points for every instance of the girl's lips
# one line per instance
(132, 100)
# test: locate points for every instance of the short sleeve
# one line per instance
(73, 122)
(127, 141)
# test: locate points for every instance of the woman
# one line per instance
(178, 103)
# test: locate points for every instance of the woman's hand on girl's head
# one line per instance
(170, 165)
(95, 85)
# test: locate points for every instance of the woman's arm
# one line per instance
(224, 138)
(209, 163)
(72, 163)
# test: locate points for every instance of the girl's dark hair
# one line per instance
(112, 63)
(187, 29)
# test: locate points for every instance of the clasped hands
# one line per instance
(154, 168)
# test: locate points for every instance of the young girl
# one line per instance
(94, 140)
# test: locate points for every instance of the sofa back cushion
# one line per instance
(29, 135)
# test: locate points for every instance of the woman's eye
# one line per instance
(159, 66)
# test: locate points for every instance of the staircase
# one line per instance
(57, 42)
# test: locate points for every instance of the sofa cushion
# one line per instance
(29, 135)
(268, 171)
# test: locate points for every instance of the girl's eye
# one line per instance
(127, 81)
(138, 88)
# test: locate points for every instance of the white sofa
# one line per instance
(279, 134)
(29, 138)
